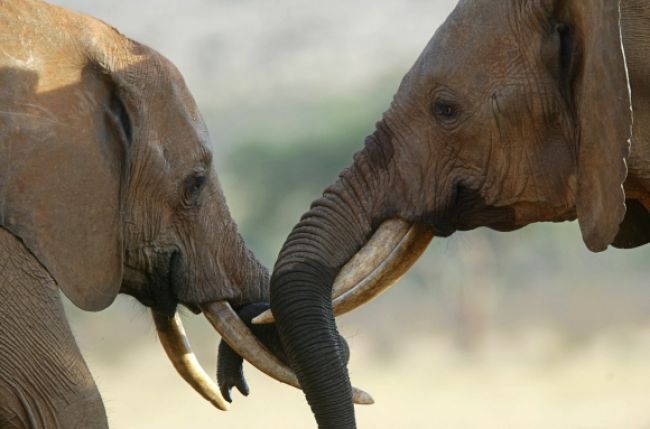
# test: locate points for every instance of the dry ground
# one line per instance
(531, 380)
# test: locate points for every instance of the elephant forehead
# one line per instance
(483, 39)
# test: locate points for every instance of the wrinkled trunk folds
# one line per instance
(331, 233)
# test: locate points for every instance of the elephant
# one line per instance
(106, 187)
(515, 112)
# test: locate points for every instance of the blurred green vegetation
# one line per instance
(286, 160)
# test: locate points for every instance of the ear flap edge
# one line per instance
(62, 190)
(604, 112)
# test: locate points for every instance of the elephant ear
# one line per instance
(602, 102)
(61, 163)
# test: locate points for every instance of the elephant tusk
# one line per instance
(369, 257)
(399, 246)
(381, 262)
(231, 328)
(174, 341)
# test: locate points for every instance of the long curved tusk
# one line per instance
(384, 241)
(394, 257)
(388, 254)
(174, 341)
(231, 328)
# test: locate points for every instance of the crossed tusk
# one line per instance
(239, 338)
(224, 319)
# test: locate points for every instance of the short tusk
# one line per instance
(174, 341)
(241, 340)
(380, 263)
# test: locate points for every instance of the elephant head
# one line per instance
(515, 112)
(106, 177)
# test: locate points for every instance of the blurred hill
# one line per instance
(527, 329)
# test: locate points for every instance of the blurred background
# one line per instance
(492, 330)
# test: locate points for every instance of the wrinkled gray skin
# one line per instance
(230, 371)
(517, 111)
(106, 186)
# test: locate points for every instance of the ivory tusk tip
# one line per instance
(222, 406)
(360, 397)
(263, 318)
(177, 347)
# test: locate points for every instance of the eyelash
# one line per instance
(193, 186)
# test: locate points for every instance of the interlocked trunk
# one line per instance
(332, 232)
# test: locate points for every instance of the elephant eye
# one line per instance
(445, 110)
(192, 188)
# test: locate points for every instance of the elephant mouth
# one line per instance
(471, 210)
(155, 288)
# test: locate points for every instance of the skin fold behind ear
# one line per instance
(61, 153)
(634, 230)
(603, 108)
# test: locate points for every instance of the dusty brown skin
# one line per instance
(517, 111)
(106, 186)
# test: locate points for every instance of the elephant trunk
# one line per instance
(326, 238)
(251, 276)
